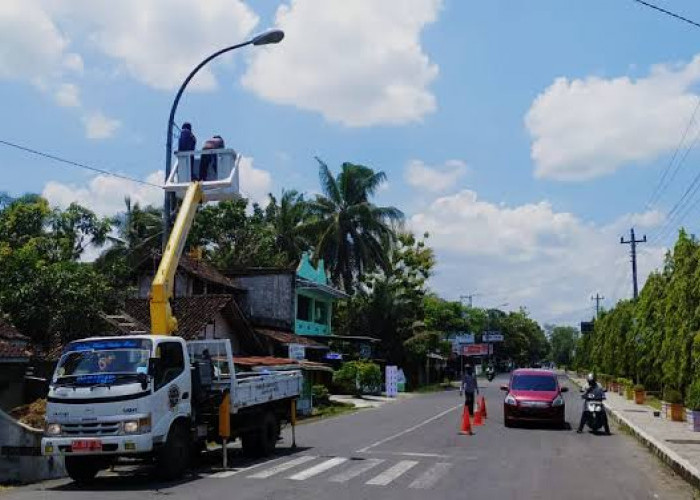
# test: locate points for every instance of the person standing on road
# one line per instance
(469, 386)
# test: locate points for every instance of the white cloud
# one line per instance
(32, 47)
(67, 95)
(158, 42)
(586, 128)
(255, 183)
(358, 62)
(531, 255)
(104, 194)
(99, 126)
(436, 178)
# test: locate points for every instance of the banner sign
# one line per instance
(475, 350)
(333, 356)
(460, 340)
(392, 381)
(492, 337)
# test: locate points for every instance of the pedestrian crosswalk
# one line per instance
(373, 472)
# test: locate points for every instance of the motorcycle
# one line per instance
(596, 412)
(490, 375)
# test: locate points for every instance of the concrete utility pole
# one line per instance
(597, 299)
(633, 253)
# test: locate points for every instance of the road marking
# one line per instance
(410, 429)
(408, 454)
(355, 471)
(282, 467)
(234, 471)
(392, 473)
(317, 469)
(431, 476)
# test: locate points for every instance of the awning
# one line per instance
(286, 338)
(349, 338)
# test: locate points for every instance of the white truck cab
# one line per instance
(157, 395)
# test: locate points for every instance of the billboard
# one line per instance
(475, 350)
(492, 337)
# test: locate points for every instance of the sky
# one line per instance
(524, 137)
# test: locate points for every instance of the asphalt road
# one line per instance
(411, 450)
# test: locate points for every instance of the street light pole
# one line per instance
(268, 37)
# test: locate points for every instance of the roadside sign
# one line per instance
(392, 381)
(333, 356)
(297, 351)
(492, 337)
(460, 340)
(475, 350)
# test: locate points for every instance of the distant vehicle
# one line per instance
(533, 396)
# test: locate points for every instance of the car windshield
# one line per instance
(89, 363)
(534, 383)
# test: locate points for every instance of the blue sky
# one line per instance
(526, 137)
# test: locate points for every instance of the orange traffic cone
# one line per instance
(478, 416)
(482, 405)
(466, 425)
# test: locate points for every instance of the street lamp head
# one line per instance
(268, 37)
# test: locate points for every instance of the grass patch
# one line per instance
(334, 408)
(433, 388)
(653, 401)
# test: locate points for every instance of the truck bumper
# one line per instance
(111, 445)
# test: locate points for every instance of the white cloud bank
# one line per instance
(436, 178)
(587, 128)
(531, 255)
(98, 126)
(358, 62)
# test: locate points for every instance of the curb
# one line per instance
(677, 463)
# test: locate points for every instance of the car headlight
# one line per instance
(510, 400)
(53, 429)
(131, 427)
(558, 401)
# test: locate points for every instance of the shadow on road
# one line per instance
(141, 477)
(544, 426)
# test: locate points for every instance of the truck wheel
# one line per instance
(174, 456)
(262, 441)
(82, 469)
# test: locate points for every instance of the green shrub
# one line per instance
(638, 387)
(320, 394)
(358, 377)
(692, 399)
(672, 396)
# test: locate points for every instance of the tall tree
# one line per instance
(287, 218)
(349, 232)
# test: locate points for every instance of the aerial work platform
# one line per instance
(220, 176)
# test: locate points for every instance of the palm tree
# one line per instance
(138, 234)
(287, 219)
(350, 233)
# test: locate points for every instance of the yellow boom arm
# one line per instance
(162, 320)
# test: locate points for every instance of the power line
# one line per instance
(75, 163)
(668, 13)
(660, 186)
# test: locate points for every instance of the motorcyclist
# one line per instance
(593, 392)
(490, 373)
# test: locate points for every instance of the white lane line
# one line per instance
(392, 473)
(431, 476)
(317, 469)
(408, 454)
(282, 467)
(355, 471)
(410, 429)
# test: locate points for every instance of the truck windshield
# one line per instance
(105, 362)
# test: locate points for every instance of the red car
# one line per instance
(533, 396)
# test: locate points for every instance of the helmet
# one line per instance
(591, 378)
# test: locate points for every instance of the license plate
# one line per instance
(534, 404)
(86, 445)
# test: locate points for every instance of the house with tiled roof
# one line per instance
(14, 357)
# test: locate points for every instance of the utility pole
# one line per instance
(633, 253)
(597, 299)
